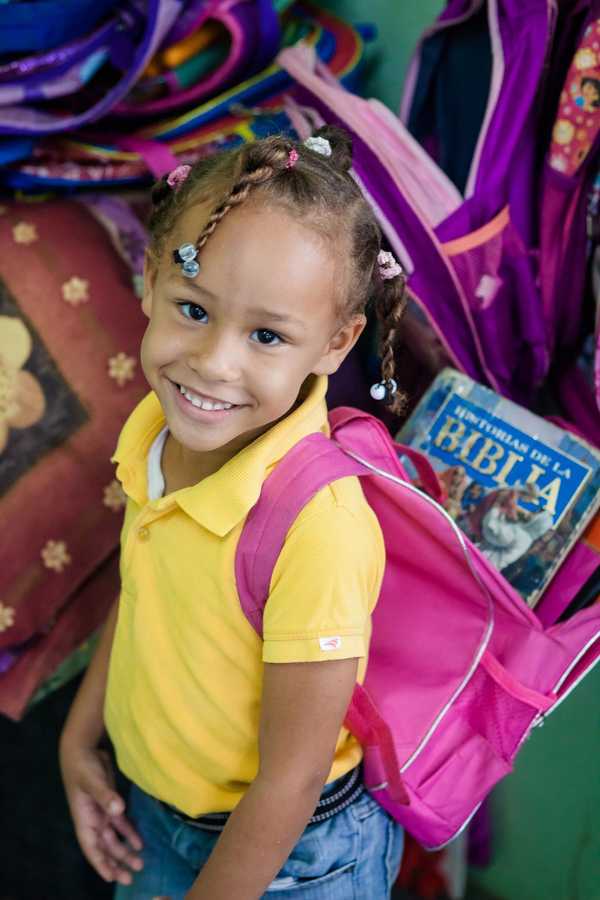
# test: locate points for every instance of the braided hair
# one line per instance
(317, 190)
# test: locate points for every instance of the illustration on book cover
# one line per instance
(521, 488)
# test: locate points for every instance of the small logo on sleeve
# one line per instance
(330, 643)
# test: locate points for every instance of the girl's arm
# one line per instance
(105, 835)
(303, 708)
(85, 722)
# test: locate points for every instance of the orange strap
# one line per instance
(478, 237)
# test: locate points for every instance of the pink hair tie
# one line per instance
(388, 266)
(292, 159)
(177, 176)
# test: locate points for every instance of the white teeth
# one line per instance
(208, 405)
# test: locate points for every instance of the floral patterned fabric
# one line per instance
(578, 118)
(70, 327)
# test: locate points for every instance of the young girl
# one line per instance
(245, 782)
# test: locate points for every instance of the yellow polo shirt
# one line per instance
(184, 687)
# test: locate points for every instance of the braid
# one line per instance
(235, 197)
(251, 165)
(390, 303)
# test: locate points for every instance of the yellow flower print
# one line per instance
(114, 496)
(25, 233)
(76, 291)
(7, 617)
(585, 59)
(122, 368)
(563, 131)
(56, 556)
(22, 400)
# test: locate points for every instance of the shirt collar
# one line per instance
(222, 500)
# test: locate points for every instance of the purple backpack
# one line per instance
(127, 40)
(569, 168)
(124, 43)
(255, 36)
(568, 174)
(460, 669)
(476, 302)
(470, 259)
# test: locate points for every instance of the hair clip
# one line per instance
(319, 145)
(384, 390)
(292, 158)
(177, 176)
(185, 256)
(389, 267)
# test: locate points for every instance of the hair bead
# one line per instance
(378, 390)
(389, 267)
(187, 252)
(190, 268)
(185, 256)
(384, 390)
(319, 144)
(177, 176)
(292, 159)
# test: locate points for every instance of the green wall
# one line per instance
(546, 814)
(400, 24)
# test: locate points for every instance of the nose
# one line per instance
(217, 358)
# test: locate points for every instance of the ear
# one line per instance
(150, 273)
(340, 345)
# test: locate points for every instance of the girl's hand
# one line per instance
(105, 836)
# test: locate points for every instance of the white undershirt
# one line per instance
(156, 479)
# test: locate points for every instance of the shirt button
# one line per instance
(143, 533)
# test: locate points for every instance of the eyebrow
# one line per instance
(256, 310)
(180, 281)
(276, 317)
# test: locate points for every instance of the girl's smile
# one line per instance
(203, 408)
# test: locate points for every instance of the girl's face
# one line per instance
(228, 351)
(590, 93)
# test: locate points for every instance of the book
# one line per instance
(521, 488)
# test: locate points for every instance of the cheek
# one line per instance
(155, 349)
(146, 349)
(278, 382)
(158, 344)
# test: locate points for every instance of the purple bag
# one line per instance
(469, 259)
(255, 36)
(129, 41)
(570, 165)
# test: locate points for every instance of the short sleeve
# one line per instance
(326, 581)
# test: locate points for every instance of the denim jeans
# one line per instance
(354, 855)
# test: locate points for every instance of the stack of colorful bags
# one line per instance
(143, 83)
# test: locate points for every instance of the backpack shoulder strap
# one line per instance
(312, 463)
(377, 444)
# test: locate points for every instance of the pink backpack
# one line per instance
(460, 669)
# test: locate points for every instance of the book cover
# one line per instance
(520, 487)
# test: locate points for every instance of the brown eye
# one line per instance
(269, 338)
(192, 311)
